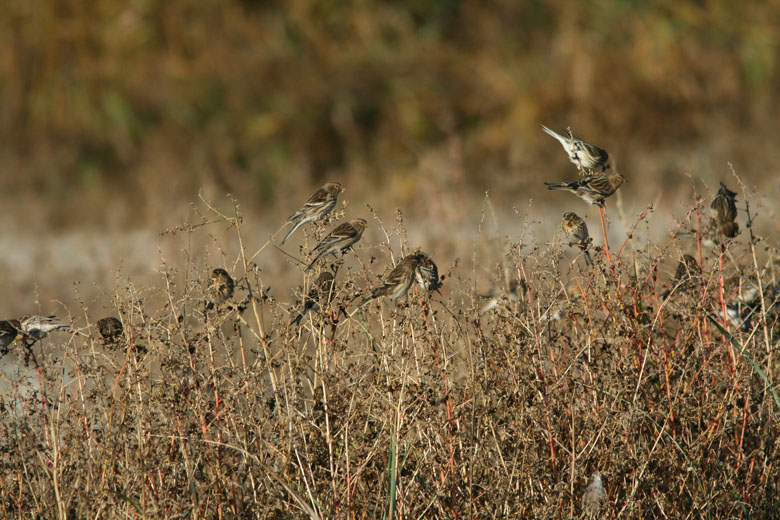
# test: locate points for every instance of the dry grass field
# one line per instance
(144, 144)
(495, 398)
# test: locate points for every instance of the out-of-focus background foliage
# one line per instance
(117, 115)
(116, 112)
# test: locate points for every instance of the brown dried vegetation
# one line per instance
(425, 409)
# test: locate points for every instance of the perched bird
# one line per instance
(34, 328)
(724, 211)
(398, 281)
(427, 274)
(321, 293)
(687, 269)
(343, 237)
(221, 286)
(318, 206)
(8, 332)
(593, 496)
(110, 329)
(587, 157)
(593, 189)
(576, 232)
(685, 274)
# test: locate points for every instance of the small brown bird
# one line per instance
(687, 270)
(724, 211)
(319, 205)
(593, 496)
(34, 328)
(8, 332)
(221, 287)
(398, 281)
(576, 232)
(686, 273)
(343, 237)
(587, 157)
(427, 274)
(593, 189)
(110, 329)
(321, 294)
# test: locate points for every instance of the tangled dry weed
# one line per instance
(445, 406)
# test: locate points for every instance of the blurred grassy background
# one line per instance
(115, 113)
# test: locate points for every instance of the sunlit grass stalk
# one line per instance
(540, 369)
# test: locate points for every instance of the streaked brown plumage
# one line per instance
(724, 211)
(576, 232)
(398, 281)
(221, 286)
(110, 329)
(593, 189)
(35, 328)
(320, 204)
(9, 329)
(687, 269)
(343, 237)
(427, 274)
(593, 497)
(686, 273)
(321, 293)
(587, 157)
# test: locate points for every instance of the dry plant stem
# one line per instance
(765, 328)
(604, 230)
(253, 299)
(451, 426)
(217, 410)
(43, 392)
(698, 228)
(630, 235)
(539, 367)
(723, 310)
(573, 450)
(702, 322)
(80, 380)
(55, 468)
(667, 368)
(585, 301)
(329, 437)
(618, 290)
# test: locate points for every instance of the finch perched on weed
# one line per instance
(398, 281)
(687, 269)
(593, 189)
(576, 232)
(34, 328)
(221, 286)
(8, 332)
(724, 211)
(685, 274)
(320, 204)
(587, 157)
(427, 274)
(110, 329)
(343, 237)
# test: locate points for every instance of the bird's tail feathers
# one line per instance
(555, 134)
(558, 185)
(293, 230)
(316, 258)
(588, 259)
